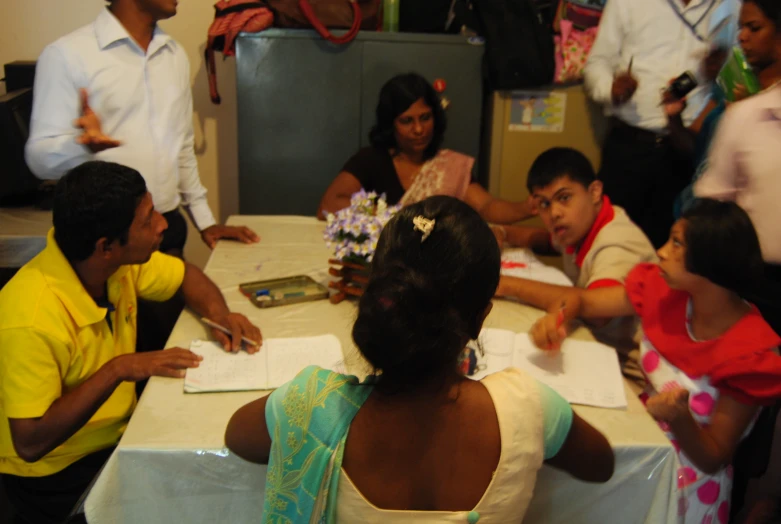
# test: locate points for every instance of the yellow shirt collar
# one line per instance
(65, 284)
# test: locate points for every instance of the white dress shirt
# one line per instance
(652, 35)
(142, 99)
(744, 163)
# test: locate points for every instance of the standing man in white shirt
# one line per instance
(118, 90)
(641, 46)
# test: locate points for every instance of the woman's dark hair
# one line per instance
(396, 96)
(424, 300)
(92, 201)
(558, 162)
(722, 246)
(771, 9)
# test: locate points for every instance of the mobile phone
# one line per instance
(681, 86)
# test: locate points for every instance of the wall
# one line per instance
(27, 26)
(512, 152)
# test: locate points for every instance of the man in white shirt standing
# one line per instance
(118, 90)
(641, 46)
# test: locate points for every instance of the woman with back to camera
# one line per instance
(425, 443)
(406, 160)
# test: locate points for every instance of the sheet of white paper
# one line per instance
(223, 371)
(288, 356)
(523, 264)
(278, 361)
(582, 372)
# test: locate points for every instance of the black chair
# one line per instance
(752, 457)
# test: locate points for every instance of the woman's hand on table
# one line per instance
(239, 326)
(212, 234)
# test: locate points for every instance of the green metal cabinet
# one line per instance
(305, 106)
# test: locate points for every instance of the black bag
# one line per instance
(519, 50)
(425, 16)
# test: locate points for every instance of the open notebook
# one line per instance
(278, 361)
(582, 372)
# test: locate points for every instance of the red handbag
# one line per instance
(230, 18)
(321, 15)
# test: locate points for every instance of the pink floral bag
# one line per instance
(572, 47)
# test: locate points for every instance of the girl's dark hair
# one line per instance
(771, 9)
(722, 246)
(92, 201)
(424, 300)
(396, 96)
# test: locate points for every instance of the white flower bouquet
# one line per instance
(353, 233)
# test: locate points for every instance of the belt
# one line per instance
(636, 133)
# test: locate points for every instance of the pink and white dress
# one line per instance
(742, 363)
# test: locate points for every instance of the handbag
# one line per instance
(572, 49)
(323, 15)
(584, 14)
(518, 43)
(230, 18)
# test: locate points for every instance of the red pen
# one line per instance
(560, 317)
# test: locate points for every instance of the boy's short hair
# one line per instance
(558, 162)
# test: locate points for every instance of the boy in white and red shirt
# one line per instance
(597, 241)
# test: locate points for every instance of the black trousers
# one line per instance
(156, 320)
(643, 173)
(52, 499)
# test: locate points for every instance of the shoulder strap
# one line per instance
(348, 37)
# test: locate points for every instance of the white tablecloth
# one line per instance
(172, 464)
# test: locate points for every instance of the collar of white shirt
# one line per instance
(109, 30)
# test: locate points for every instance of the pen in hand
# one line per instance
(227, 331)
(561, 331)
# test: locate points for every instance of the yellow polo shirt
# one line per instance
(53, 337)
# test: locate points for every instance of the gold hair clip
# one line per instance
(424, 225)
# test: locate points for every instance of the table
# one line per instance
(22, 234)
(172, 464)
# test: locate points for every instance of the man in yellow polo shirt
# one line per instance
(68, 336)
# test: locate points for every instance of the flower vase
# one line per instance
(352, 276)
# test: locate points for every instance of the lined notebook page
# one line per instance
(582, 372)
(278, 361)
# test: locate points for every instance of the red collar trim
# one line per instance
(604, 217)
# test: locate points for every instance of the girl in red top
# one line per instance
(709, 357)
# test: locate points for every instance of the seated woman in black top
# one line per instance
(405, 160)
